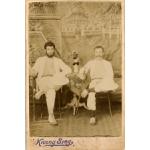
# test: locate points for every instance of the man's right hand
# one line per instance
(84, 93)
(70, 76)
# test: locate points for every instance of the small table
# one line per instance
(76, 86)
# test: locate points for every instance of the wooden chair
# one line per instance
(107, 96)
(110, 97)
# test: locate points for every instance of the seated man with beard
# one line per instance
(51, 73)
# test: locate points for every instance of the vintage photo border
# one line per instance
(77, 143)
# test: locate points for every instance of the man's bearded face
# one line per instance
(50, 51)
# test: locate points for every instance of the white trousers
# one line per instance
(99, 85)
(50, 100)
(91, 101)
(103, 85)
(47, 84)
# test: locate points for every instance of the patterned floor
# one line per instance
(70, 125)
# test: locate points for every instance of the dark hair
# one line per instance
(49, 43)
(99, 46)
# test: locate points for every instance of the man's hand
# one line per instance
(70, 76)
(84, 93)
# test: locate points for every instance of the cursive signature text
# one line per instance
(41, 142)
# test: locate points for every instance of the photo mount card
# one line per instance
(75, 74)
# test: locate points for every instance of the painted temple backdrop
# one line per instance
(76, 26)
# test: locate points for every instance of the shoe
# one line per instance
(39, 94)
(52, 120)
(92, 120)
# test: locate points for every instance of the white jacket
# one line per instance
(101, 74)
(61, 69)
(59, 65)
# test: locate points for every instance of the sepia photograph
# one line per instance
(74, 71)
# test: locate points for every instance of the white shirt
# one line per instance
(97, 69)
(101, 74)
(58, 67)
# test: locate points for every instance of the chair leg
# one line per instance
(42, 106)
(60, 103)
(33, 108)
(108, 97)
(78, 102)
(41, 111)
